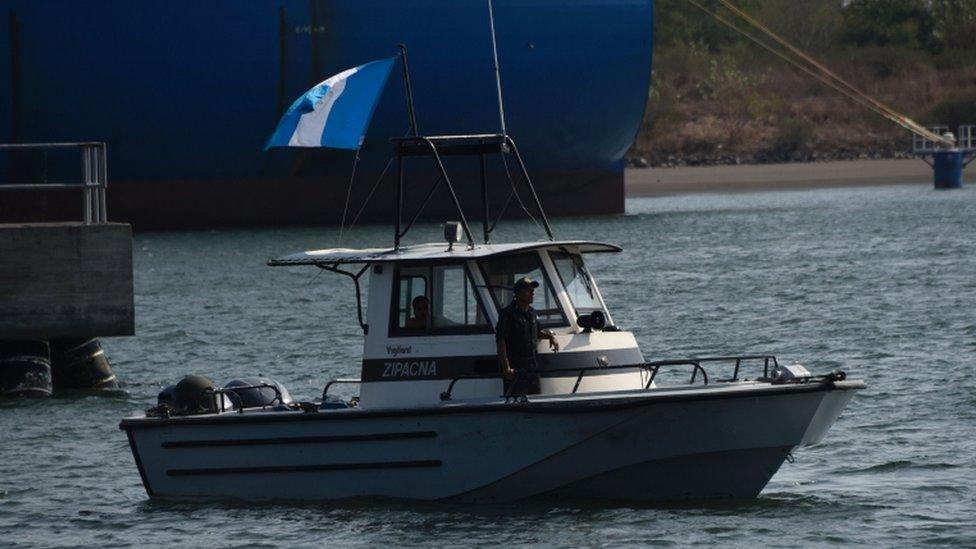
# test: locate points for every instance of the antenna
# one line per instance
(498, 77)
(406, 86)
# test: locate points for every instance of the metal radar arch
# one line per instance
(438, 146)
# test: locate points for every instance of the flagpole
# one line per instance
(498, 77)
(406, 85)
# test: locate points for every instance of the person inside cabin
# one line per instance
(421, 306)
(517, 336)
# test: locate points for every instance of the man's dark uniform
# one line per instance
(520, 331)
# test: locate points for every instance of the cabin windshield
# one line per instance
(501, 272)
(577, 281)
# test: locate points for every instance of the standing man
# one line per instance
(517, 336)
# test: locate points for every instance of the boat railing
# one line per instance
(94, 176)
(341, 381)
(446, 395)
(768, 360)
(232, 394)
(738, 361)
(652, 367)
(655, 367)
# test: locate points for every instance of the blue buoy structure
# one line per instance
(948, 162)
(947, 166)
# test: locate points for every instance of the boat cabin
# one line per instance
(430, 319)
(432, 308)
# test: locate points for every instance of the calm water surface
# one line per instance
(880, 282)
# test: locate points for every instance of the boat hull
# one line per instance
(657, 445)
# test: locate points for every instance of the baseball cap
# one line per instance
(525, 282)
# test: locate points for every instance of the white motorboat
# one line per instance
(432, 420)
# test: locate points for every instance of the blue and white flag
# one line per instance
(336, 112)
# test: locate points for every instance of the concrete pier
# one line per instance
(65, 280)
(62, 285)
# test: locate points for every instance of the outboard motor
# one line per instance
(194, 395)
(252, 395)
(165, 396)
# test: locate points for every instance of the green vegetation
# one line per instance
(956, 108)
(717, 97)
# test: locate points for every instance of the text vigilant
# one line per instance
(416, 368)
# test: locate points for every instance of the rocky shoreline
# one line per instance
(675, 161)
(719, 178)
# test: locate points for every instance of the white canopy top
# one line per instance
(430, 252)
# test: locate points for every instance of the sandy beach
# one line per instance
(796, 176)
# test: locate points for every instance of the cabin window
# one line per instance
(456, 303)
(502, 272)
(412, 292)
(577, 281)
(436, 300)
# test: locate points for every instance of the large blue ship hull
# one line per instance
(185, 92)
